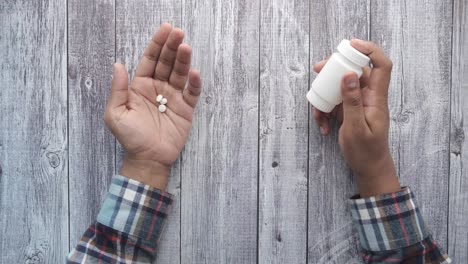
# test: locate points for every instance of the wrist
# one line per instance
(149, 172)
(381, 178)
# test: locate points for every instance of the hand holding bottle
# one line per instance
(363, 134)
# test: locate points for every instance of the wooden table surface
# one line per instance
(256, 183)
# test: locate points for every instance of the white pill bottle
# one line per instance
(325, 92)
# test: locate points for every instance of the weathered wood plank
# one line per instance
(458, 192)
(331, 237)
(417, 37)
(136, 22)
(219, 169)
(220, 164)
(92, 147)
(33, 132)
(284, 77)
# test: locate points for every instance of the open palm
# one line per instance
(132, 111)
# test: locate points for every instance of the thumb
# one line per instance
(353, 111)
(119, 90)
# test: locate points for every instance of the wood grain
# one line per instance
(417, 36)
(219, 168)
(458, 192)
(330, 234)
(136, 22)
(33, 132)
(284, 76)
(92, 147)
(243, 173)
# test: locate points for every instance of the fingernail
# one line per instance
(351, 81)
(323, 130)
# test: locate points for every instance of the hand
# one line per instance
(364, 118)
(153, 140)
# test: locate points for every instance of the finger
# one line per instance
(339, 114)
(319, 65)
(181, 68)
(323, 121)
(364, 80)
(119, 87)
(374, 52)
(147, 63)
(382, 66)
(353, 111)
(193, 90)
(168, 55)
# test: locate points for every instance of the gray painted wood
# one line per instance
(417, 37)
(136, 22)
(458, 193)
(219, 168)
(92, 147)
(33, 132)
(284, 77)
(249, 131)
(331, 238)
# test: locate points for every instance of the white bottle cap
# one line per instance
(319, 103)
(352, 54)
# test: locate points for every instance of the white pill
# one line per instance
(159, 98)
(164, 101)
(162, 108)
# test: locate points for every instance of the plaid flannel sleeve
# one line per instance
(392, 230)
(128, 226)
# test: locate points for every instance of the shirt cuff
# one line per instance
(388, 221)
(136, 209)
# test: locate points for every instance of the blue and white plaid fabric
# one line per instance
(128, 226)
(135, 209)
(392, 230)
(132, 217)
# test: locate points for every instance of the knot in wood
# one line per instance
(88, 83)
(265, 131)
(403, 117)
(208, 100)
(457, 140)
(296, 69)
(278, 237)
(54, 159)
(35, 254)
